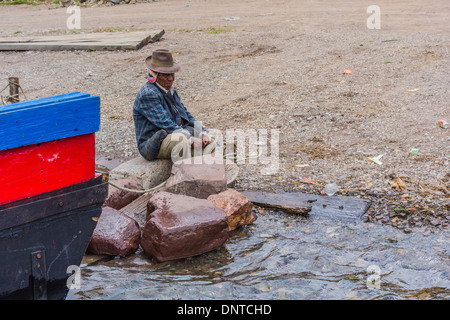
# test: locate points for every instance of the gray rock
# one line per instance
(147, 173)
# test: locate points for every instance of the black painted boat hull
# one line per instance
(43, 240)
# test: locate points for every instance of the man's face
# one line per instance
(166, 80)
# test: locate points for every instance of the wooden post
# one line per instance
(13, 89)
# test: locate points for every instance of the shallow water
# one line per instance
(283, 256)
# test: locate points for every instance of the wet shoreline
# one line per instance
(290, 257)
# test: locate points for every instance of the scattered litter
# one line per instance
(309, 181)
(398, 184)
(404, 196)
(331, 188)
(260, 143)
(414, 150)
(443, 124)
(377, 159)
(302, 165)
(387, 62)
(264, 288)
(347, 71)
(412, 90)
(232, 18)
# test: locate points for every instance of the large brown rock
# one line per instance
(179, 226)
(119, 198)
(197, 177)
(237, 207)
(116, 234)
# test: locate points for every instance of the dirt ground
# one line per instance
(277, 65)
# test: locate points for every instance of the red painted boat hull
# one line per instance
(35, 169)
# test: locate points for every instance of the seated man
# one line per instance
(164, 128)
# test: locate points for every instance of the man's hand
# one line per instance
(205, 140)
(202, 142)
(196, 143)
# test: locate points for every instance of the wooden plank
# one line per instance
(335, 208)
(284, 202)
(138, 208)
(31, 124)
(83, 41)
(339, 208)
(31, 170)
(90, 259)
(13, 90)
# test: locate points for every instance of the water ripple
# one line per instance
(286, 257)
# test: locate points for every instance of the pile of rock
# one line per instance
(193, 214)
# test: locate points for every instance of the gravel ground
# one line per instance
(278, 66)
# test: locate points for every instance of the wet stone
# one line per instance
(119, 198)
(116, 234)
(180, 226)
(237, 207)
